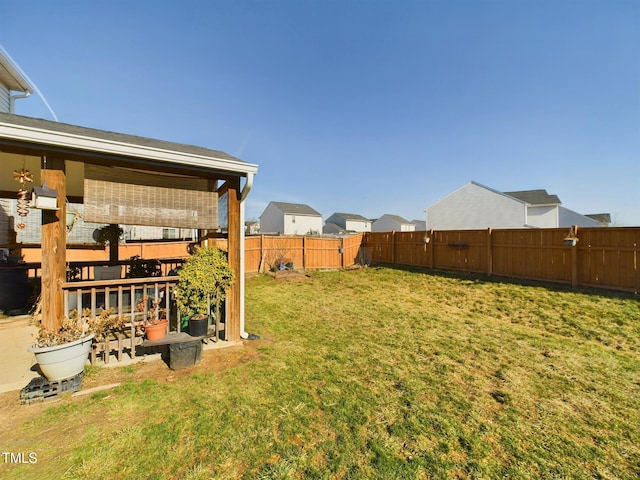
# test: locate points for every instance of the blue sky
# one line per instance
(358, 106)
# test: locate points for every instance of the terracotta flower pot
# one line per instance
(156, 331)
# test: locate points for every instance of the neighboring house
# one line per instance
(331, 228)
(349, 222)
(604, 219)
(476, 206)
(421, 225)
(290, 219)
(251, 227)
(392, 223)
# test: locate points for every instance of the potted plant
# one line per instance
(109, 234)
(62, 354)
(155, 322)
(142, 268)
(204, 281)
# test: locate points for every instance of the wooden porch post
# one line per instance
(54, 241)
(232, 327)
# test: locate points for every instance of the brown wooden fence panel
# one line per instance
(535, 254)
(379, 247)
(252, 253)
(322, 252)
(464, 250)
(288, 249)
(411, 249)
(351, 250)
(608, 257)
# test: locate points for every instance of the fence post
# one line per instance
(304, 254)
(489, 253)
(431, 249)
(342, 252)
(393, 247)
(574, 261)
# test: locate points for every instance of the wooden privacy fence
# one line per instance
(264, 252)
(602, 257)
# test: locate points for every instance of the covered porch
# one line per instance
(123, 179)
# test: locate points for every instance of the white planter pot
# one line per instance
(63, 361)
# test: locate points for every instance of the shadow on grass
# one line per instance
(500, 280)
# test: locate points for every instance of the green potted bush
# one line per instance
(204, 281)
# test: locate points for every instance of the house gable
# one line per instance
(388, 223)
(475, 206)
(290, 219)
(350, 222)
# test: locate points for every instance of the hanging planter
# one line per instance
(70, 220)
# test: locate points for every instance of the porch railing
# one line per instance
(133, 299)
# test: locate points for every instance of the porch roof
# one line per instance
(34, 136)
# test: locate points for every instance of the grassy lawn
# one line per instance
(374, 373)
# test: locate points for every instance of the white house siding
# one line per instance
(358, 226)
(474, 206)
(568, 218)
(5, 99)
(542, 216)
(391, 223)
(302, 225)
(272, 220)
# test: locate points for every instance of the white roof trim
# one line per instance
(20, 81)
(91, 144)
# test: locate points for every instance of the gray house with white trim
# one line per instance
(475, 206)
(349, 222)
(290, 219)
(392, 223)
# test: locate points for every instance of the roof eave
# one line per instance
(97, 145)
(20, 82)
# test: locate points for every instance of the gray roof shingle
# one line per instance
(535, 197)
(352, 216)
(296, 209)
(66, 128)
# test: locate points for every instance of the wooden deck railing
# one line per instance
(132, 299)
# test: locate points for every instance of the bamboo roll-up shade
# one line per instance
(131, 197)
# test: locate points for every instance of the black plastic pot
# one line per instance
(198, 326)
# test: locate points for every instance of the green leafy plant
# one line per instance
(205, 279)
(108, 234)
(74, 273)
(143, 268)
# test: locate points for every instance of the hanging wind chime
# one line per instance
(23, 176)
